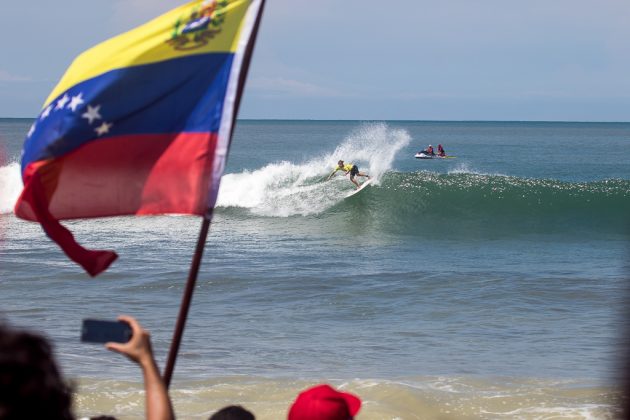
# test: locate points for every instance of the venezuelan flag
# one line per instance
(140, 124)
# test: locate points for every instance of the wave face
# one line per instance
(493, 202)
(425, 202)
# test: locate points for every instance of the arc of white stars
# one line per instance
(92, 113)
(63, 101)
(76, 101)
(103, 128)
(46, 112)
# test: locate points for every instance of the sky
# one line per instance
(533, 60)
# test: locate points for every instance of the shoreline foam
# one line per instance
(410, 398)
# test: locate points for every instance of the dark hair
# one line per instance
(232, 412)
(31, 386)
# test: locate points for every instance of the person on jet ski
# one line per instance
(441, 151)
(429, 151)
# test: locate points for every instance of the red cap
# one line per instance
(322, 402)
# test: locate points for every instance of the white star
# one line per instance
(76, 101)
(92, 113)
(31, 130)
(103, 128)
(62, 102)
(46, 112)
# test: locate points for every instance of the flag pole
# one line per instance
(205, 225)
(186, 299)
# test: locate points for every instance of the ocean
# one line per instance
(492, 285)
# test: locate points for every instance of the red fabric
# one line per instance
(323, 402)
(141, 174)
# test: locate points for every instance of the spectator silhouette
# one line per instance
(232, 412)
(31, 386)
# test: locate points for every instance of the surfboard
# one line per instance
(365, 184)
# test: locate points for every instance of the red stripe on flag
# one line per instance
(140, 174)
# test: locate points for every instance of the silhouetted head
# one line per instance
(31, 386)
(232, 412)
(340, 163)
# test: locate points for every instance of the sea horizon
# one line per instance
(403, 120)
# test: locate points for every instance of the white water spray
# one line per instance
(285, 189)
(10, 186)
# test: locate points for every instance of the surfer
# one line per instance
(441, 152)
(348, 168)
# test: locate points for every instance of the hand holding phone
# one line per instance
(99, 331)
(138, 348)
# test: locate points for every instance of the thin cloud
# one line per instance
(5, 76)
(277, 85)
(422, 95)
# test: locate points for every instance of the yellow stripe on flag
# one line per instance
(161, 39)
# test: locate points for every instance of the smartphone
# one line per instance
(99, 331)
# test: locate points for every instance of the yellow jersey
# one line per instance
(346, 168)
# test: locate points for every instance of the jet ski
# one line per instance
(424, 155)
